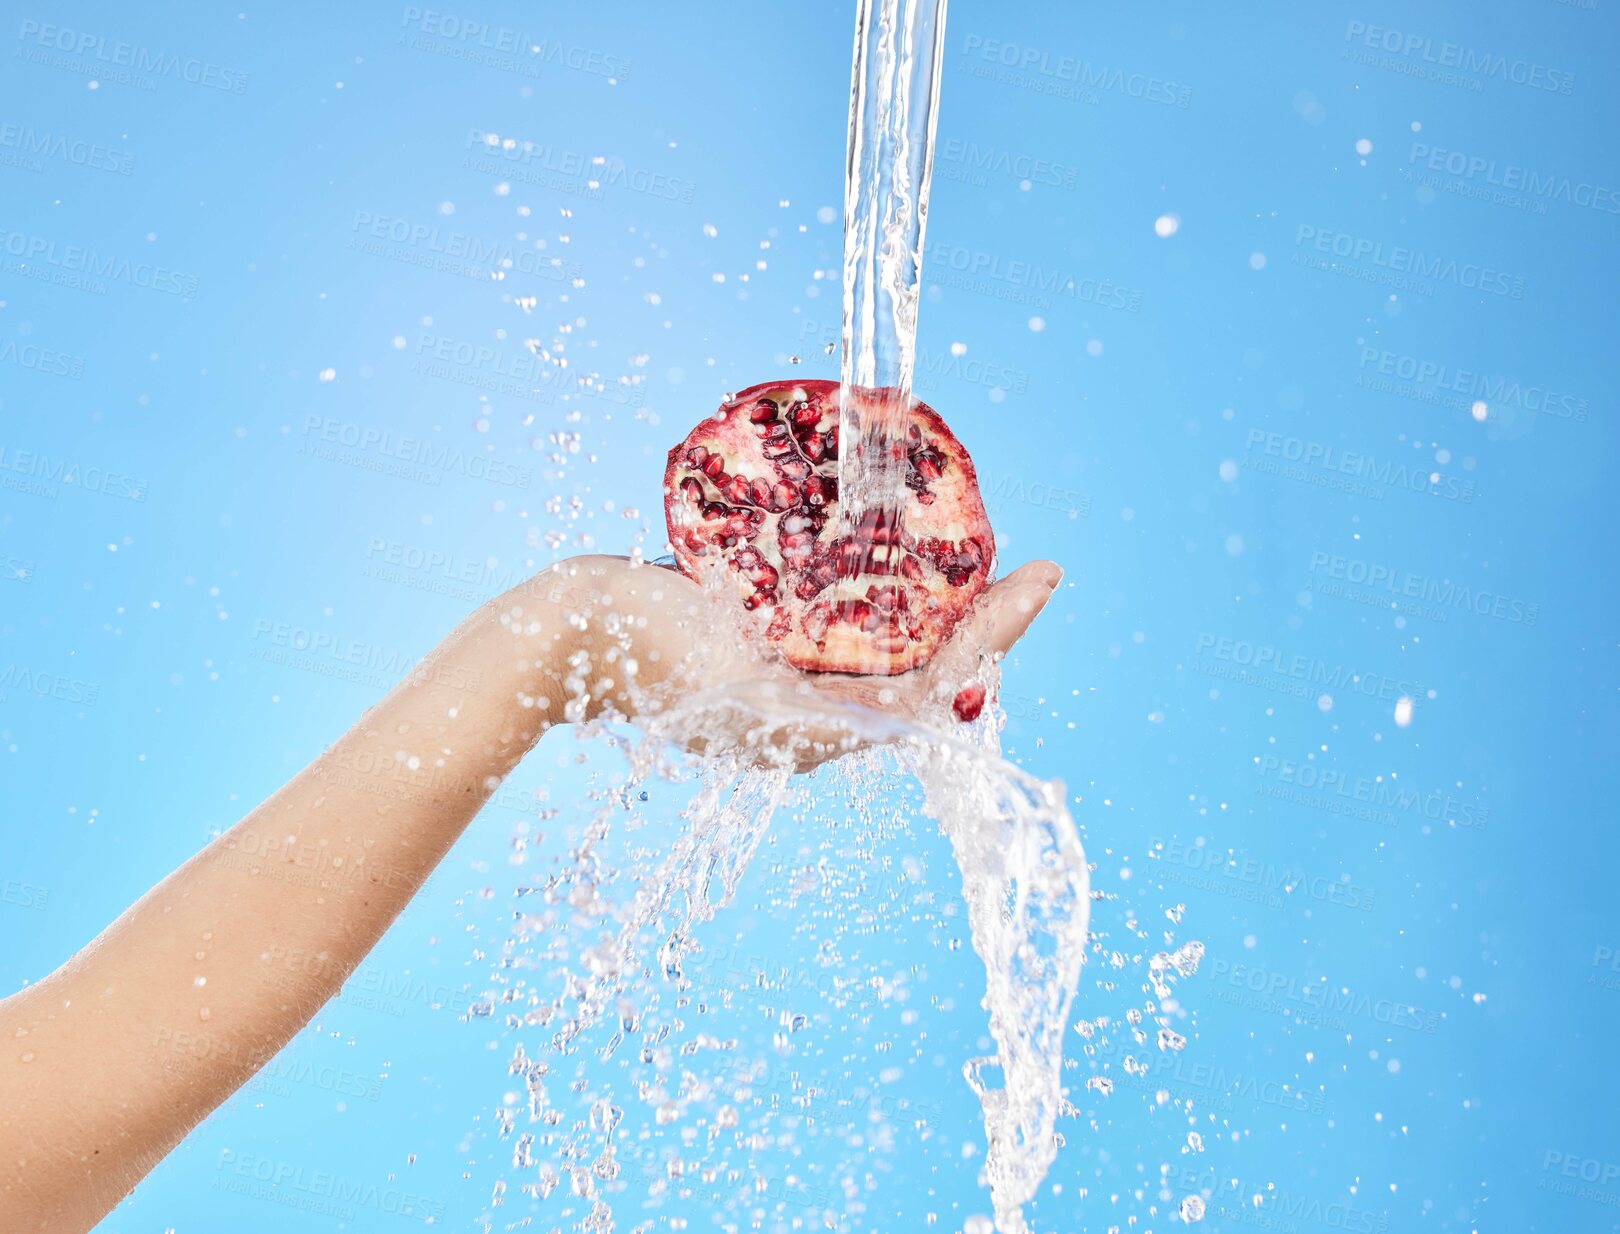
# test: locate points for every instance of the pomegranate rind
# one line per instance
(756, 484)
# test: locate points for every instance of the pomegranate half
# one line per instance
(757, 484)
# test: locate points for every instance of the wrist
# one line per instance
(523, 643)
(596, 632)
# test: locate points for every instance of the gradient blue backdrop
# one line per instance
(238, 246)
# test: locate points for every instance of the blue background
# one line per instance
(1405, 1014)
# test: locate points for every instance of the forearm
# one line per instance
(115, 1056)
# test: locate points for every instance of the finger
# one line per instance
(1011, 605)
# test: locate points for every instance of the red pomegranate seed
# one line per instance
(968, 703)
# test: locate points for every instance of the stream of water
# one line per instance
(1023, 871)
(893, 109)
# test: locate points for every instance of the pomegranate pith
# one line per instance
(757, 484)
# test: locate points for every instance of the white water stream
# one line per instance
(893, 109)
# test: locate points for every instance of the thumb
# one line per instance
(1009, 607)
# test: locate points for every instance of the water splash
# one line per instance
(1024, 880)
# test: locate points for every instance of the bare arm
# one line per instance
(236, 950)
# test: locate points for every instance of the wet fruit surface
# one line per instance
(968, 703)
(757, 484)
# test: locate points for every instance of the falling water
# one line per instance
(1023, 871)
(627, 960)
(893, 106)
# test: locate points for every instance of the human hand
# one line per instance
(654, 641)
